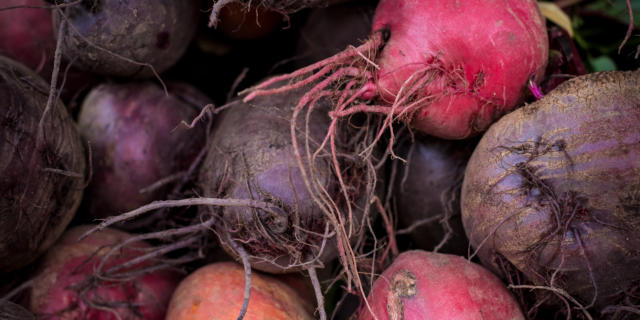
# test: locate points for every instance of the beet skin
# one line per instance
(42, 168)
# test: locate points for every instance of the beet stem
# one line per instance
(533, 87)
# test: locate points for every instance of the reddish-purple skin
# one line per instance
(136, 139)
(425, 285)
(483, 53)
(26, 34)
(69, 262)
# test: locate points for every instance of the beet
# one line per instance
(137, 139)
(552, 193)
(427, 285)
(100, 33)
(251, 156)
(42, 169)
(62, 290)
(439, 66)
(215, 292)
(26, 34)
(428, 188)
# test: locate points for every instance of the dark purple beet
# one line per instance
(41, 175)
(136, 140)
(553, 192)
(251, 156)
(153, 32)
(428, 187)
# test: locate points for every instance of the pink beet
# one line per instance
(426, 285)
(447, 68)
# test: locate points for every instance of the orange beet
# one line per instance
(216, 291)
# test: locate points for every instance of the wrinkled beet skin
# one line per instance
(424, 187)
(68, 263)
(156, 33)
(427, 285)
(587, 157)
(497, 44)
(251, 148)
(330, 30)
(26, 34)
(199, 295)
(136, 139)
(35, 205)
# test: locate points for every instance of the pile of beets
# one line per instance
(314, 159)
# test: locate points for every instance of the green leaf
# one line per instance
(602, 63)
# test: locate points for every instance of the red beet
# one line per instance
(136, 140)
(60, 290)
(441, 66)
(552, 193)
(26, 34)
(426, 285)
(42, 167)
